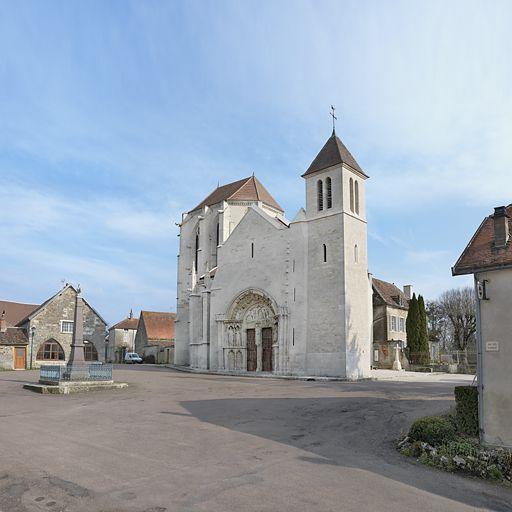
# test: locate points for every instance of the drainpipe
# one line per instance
(479, 366)
(32, 333)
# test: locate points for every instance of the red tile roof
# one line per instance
(334, 152)
(127, 323)
(16, 311)
(13, 336)
(481, 253)
(248, 189)
(159, 326)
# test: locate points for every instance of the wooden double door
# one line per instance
(266, 350)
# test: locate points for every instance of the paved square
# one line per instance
(182, 442)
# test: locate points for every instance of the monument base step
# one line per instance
(65, 388)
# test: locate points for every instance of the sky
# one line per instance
(117, 116)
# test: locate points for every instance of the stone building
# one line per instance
(121, 338)
(154, 341)
(49, 330)
(13, 340)
(390, 307)
(488, 256)
(257, 292)
(13, 346)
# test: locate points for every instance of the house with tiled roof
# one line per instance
(390, 307)
(121, 338)
(31, 334)
(488, 256)
(13, 344)
(257, 292)
(154, 340)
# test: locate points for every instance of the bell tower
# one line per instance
(338, 287)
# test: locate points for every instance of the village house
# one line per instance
(488, 256)
(121, 338)
(390, 307)
(13, 340)
(45, 332)
(154, 340)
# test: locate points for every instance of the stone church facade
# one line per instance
(258, 293)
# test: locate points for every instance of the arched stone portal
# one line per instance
(250, 333)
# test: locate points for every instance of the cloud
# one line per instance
(426, 256)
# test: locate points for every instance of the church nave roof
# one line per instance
(248, 189)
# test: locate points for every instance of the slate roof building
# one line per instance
(488, 256)
(260, 293)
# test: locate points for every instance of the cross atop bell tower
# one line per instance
(334, 119)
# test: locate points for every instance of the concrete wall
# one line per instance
(496, 337)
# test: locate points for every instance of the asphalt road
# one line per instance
(181, 442)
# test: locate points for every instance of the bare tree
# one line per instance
(439, 327)
(458, 306)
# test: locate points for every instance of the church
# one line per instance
(259, 293)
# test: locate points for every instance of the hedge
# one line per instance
(466, 409)
(433, 430)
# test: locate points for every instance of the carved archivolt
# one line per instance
(252, 307)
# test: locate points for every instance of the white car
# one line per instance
(132, 358)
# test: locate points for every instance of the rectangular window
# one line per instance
(402, 325)
(393, 324)
(66, 326)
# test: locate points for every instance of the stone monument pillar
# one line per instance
(76, 361)
(396, 364)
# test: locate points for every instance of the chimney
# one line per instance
(3, 322)
(501, 230)
(408, 291)
(131, 314)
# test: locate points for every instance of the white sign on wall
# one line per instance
(492, 346)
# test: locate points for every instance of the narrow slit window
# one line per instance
(356, 253)
(320, 195)
(293, 336)
(252, 249)
(196, 257)
(328, 187)
(294, 295)
(325, 253)
(357, 196)
(351, 194)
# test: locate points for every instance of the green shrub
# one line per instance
(461, 447)
(466, 409)
(433, 430)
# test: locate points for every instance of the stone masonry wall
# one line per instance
(47, 323)
(6, 358)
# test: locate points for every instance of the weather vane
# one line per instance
(334, 119)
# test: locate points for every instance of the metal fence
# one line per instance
(87, 372)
